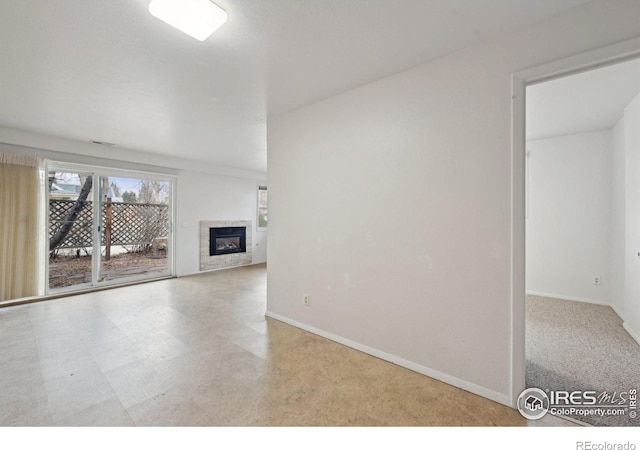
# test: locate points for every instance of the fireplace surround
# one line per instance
(225, 243)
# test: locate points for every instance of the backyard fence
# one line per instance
(122, 223)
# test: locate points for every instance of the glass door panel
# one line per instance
(71, 226)
(135, 226)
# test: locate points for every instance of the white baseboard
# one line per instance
(617, 311)
(199, 272)
(445, 378)
(567, 297)
(632, 332)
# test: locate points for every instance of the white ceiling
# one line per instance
(588, 101)
(107, 70)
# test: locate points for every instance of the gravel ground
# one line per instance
(72, 270)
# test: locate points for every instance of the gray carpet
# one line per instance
(579, 346)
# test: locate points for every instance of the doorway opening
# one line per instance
(573, 230)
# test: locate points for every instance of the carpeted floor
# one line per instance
(579, 346)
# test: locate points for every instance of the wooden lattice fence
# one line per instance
(131, 223)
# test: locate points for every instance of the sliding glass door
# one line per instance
(135, 228)
(71, 228)
(107, 227)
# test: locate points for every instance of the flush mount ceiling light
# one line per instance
(197, 18)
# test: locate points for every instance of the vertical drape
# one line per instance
(20, 226)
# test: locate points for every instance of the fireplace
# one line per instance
(218, 242)
(225, 240)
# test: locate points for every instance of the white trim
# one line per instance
(173, 216)
(617, 311)
(43, 229)
(632, 332)
(200, 272)
(622, 51)
(518, 221)
(96, 205)
(582, 62)
(457, 382)
(44, 241)
(568, 297)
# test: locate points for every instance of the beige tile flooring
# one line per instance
(199, 351)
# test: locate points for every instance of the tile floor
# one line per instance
(199, 351)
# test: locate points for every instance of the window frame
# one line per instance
(261, 187)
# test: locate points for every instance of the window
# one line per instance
(262, 207)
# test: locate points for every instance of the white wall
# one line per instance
(618, 227)
(632, 233)
(213, 197)
(391, 205)
(568, 229)
(204, 191)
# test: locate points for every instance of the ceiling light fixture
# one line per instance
(197, 18)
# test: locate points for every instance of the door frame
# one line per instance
(605, 56)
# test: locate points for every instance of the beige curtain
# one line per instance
(20, 226)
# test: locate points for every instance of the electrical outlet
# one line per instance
(596, 279)
(306, 299)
